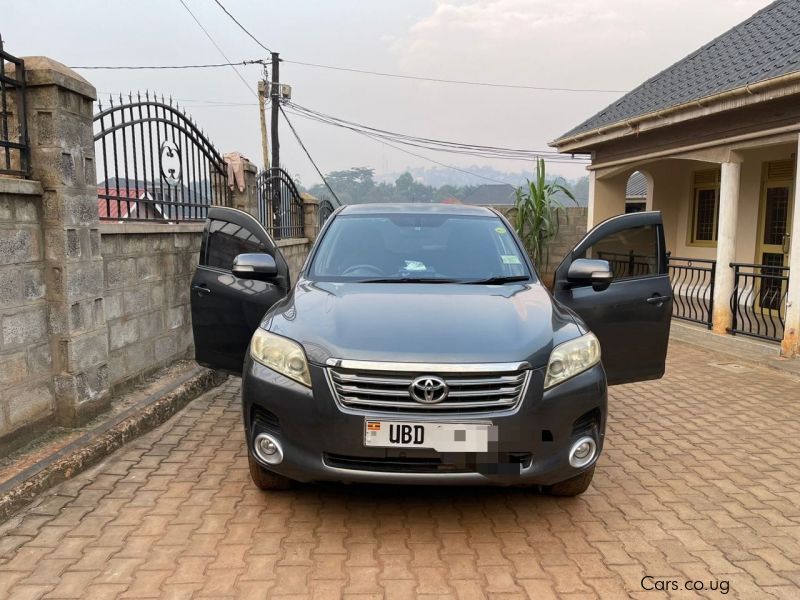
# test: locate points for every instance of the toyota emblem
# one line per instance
(428, 389)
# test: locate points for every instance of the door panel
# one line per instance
(226, 310)
(632, 317)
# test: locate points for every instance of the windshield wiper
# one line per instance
(410, 280)
(497, 280)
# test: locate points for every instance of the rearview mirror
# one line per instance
(255, 266)
(585, 271)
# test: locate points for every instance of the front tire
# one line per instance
(574, 486)
(264, 479)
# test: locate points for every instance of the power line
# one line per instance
(242, 27)
(454, 81)
(303, 146)
(374, 138)
(494, 152)
(208, 35)
(140, 67)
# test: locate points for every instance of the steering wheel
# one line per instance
(351, 270)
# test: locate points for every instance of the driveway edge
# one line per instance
(93, 446)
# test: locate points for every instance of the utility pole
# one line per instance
(262, 100)
(275, 95)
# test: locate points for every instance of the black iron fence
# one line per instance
(758, 301)
(628, 265)
(154, 163)
(14, 148)
(692, 282)
(280, 207)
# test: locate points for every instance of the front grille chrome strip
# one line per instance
(423, 367)
(473, 388)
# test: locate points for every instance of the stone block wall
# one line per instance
(26, 383)
(295, 252)
(571, 229)
(147, 276)
(86, 307)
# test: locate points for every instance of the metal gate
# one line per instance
(326, 209)
(280, 207)
(154, 163)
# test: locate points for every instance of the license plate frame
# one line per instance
(449, 436)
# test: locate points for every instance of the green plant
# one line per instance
(536, 213)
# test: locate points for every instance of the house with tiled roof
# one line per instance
(715, 137)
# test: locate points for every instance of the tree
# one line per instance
(536, 212)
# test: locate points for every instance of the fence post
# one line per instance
(711, 293)
(735, 299)
(310, 217)
(243, 191)
(60, 106)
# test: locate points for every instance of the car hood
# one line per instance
(404, 322)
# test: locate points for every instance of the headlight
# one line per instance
(571, 358)
(280, 354)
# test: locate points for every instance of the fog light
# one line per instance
(583, 452)
(268, 449)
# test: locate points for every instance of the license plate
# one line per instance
(442, 437)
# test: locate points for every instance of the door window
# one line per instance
(226, 241)
(632, 253)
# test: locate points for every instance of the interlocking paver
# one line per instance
(696, 483)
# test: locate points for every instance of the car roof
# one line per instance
(414, 209)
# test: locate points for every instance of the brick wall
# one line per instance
(26, 383)
(148, 270)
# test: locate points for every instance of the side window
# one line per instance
(632, 252)
(226, 241)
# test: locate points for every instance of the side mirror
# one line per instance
(585, 271)
(255, 266)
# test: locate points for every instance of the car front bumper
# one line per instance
(323, 441)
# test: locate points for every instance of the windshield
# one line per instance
(412, 248)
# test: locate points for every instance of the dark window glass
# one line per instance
(705, 216)
(401, 246)
(632, 252)
(777, 214)
(634, 207)
(226, 241)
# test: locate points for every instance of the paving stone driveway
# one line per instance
(699, 482)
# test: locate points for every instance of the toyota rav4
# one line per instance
(418, 345)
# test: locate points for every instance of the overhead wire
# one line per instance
(217, 46)
(308, 154)
(404, 150)
(494, 152)
(142, 67)
(455, 81)
(242, 27)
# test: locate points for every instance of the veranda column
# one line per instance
(790, 346)
(726, 245)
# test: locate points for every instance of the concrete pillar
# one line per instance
(244, 195)
(790, 346)
(606, 197)
(60, 108)
(726, 245)
(310, 216)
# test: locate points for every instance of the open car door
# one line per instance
(631, 316)
(227, 308)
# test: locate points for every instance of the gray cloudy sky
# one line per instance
(609, 44)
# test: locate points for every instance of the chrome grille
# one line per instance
(385, 386)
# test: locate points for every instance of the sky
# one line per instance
(608, 45)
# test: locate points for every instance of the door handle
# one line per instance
(657, 299)
(786, 246)
(201, 289)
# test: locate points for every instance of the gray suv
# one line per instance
(418, 345)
